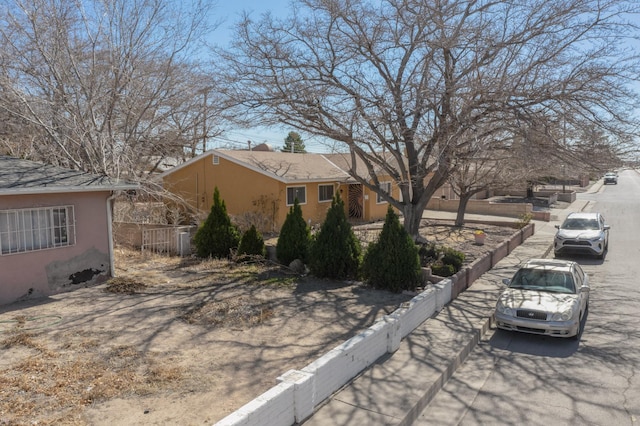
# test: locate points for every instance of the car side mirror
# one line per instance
(557, 226)
(584, 289)
(506, 281)
(607, 227)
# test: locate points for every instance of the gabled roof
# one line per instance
(286, 167)
(19, 176)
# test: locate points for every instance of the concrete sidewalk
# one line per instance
(397, 388)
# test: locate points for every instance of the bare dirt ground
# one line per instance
(182, 341)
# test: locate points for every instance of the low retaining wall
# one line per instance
(483, 207)
(299, 392)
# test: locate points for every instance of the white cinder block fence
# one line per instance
(299, 392)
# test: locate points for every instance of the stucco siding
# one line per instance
(248, 194)
(45, 272)
(260, 198)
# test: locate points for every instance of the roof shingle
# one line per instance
(24, 176)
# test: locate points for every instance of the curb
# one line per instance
(450, 370)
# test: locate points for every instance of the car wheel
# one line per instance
(579, 330)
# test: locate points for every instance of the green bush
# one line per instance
(442, 270)
(452, 257)
(335, 252)
(443, 261)
(294, 238)
(392, 262)
(428, 253)
(217, 236)
(252, 243)
(523, 220)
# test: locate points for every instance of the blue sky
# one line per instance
(230, 12)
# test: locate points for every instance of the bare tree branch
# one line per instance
(410, 78)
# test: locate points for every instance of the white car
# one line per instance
(545, 296)
(611, 178)
(582, 233)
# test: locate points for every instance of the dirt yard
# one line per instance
(181, 341)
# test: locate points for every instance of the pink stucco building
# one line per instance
(55, 228)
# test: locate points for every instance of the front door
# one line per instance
(356, 201)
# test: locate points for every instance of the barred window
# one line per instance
(23, 230)
(325, 193)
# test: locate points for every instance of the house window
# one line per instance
(386, 187)
(23, 230)
(325, 193)
(299, 192)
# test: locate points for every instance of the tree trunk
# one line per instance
(462, 207)
(412, 219)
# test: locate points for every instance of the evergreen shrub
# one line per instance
(392, 262)
(252, 243)
(442, 269)
(217, 236)
(452, 257)
(335, 252)
(294, 238)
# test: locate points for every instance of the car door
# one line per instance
(605, 230)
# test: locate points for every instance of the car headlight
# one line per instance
(503, 309)
(564, 315)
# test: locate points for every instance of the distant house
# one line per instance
(260, 186)
(55, 228)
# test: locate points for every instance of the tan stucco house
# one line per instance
(259, 187)
(55, 228)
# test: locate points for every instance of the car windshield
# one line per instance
(583, 224)
(543, 280)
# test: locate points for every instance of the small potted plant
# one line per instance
(479, 236)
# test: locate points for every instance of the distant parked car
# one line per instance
(611, 177)
(582, 233)
(545, 296)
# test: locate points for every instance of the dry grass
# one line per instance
(50, 387)
(238, 312)
(124, 285)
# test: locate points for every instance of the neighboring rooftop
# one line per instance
(18, 176)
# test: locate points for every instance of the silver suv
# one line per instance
(582, 233)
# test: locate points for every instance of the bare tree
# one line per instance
(482, 165)
(411, 77)
(107, 87)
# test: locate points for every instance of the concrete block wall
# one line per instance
(458, 283)
(276, 405)
(477, 268)
(417, 310)
(482, 207)
(499, 253)
(299, 393)
(344, 362)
